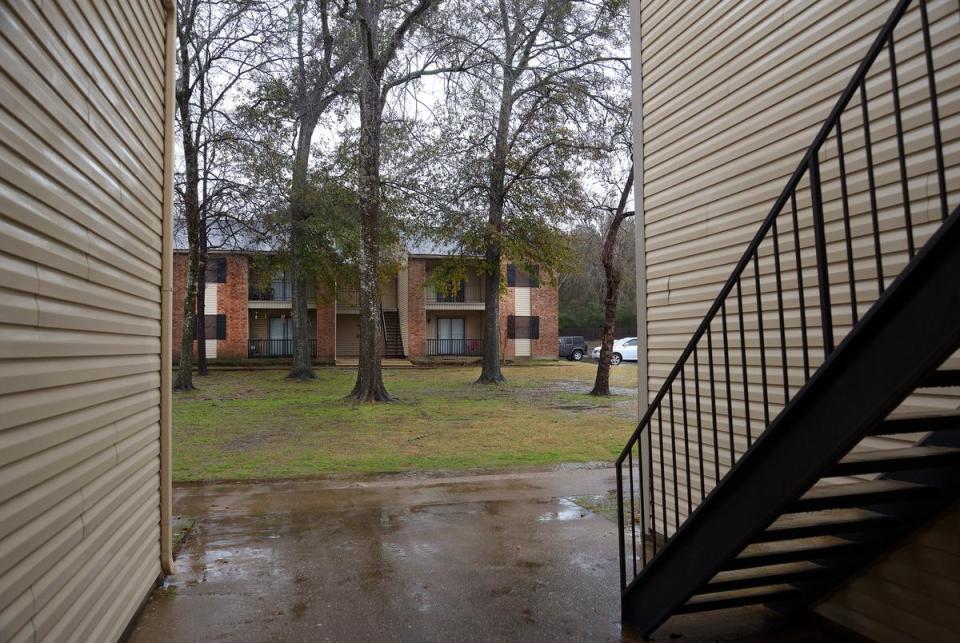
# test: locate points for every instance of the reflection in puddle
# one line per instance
(568, 510)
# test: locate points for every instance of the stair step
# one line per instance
(918, 423)
(858, 494)
(763, 576)
(789, 551)
(884, 460)
(941, 378)
(823, 523)
(738, 598)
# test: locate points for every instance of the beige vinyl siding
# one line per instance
(521, 308)
(388, 297)
(82, 126)
(912, 594)
(348, 335)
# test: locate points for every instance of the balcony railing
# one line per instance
(274, 348)
(276, 291)
(466, 295)
(454, 347)
(349, 298)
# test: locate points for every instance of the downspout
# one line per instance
(166, 299)
(643, 355)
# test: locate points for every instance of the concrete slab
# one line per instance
(482, 557)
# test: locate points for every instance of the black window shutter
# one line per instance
(511, 275)
(222, 270)
(534, 328)
(511, 327)
(221, 326)
(535, 277)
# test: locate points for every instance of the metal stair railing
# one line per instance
(760, 347)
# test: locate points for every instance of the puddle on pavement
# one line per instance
(568, 510)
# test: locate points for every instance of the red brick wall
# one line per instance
(232, 302)
(326, 323)
(544, 302)
(417, 308)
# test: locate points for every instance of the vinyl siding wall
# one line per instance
(82, 115)
(732, 95)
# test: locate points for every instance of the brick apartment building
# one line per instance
(246, 319)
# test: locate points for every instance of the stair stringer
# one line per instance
(858, 385)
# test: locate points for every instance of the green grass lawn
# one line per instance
(255, 425)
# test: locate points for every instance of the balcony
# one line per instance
(469, 297)
(454, 348)
(276, 291)
(275, 348)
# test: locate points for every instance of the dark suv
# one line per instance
(573, 347)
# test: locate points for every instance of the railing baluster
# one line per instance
(726, 373)
(673, 449)
(847, 234)
(696, 384)
(633, 511)
(872, 184)
(743, 363)
(800, 289)
(820, 241)
(713, 406)
(621, 529)
(763, 349)
(686, 435)
(663, 471)
(901, 153)
(643, 505)
(780, 313)
(653, 496)
(934, 109)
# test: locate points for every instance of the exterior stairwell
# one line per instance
(782, 454)
(392, 338)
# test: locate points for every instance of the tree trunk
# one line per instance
(611, 269)
(302, 368)
(369, 386)
(191, 212)
(490, 372)
(202, 300)
(184, 381)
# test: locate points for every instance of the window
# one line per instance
(214, 326)
(630, 342)
(517, 278)
(216, 272)
(523, 327)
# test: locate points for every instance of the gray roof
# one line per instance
(432, 248)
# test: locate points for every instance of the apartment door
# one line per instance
(451, 333)
(281, 337)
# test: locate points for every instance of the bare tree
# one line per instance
(612, 272)
(217, 45)
(382, 29)
(323, 71)
(522, 122)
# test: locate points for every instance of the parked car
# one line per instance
(573, 347)
(624, 349)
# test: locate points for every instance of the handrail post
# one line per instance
(820, 242)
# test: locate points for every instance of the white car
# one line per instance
(624, 349)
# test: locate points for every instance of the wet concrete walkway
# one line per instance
(484, 557)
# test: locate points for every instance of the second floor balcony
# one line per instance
(275, 290)
(469, 296)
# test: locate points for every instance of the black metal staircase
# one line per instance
(392, 338)
(782, 454)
